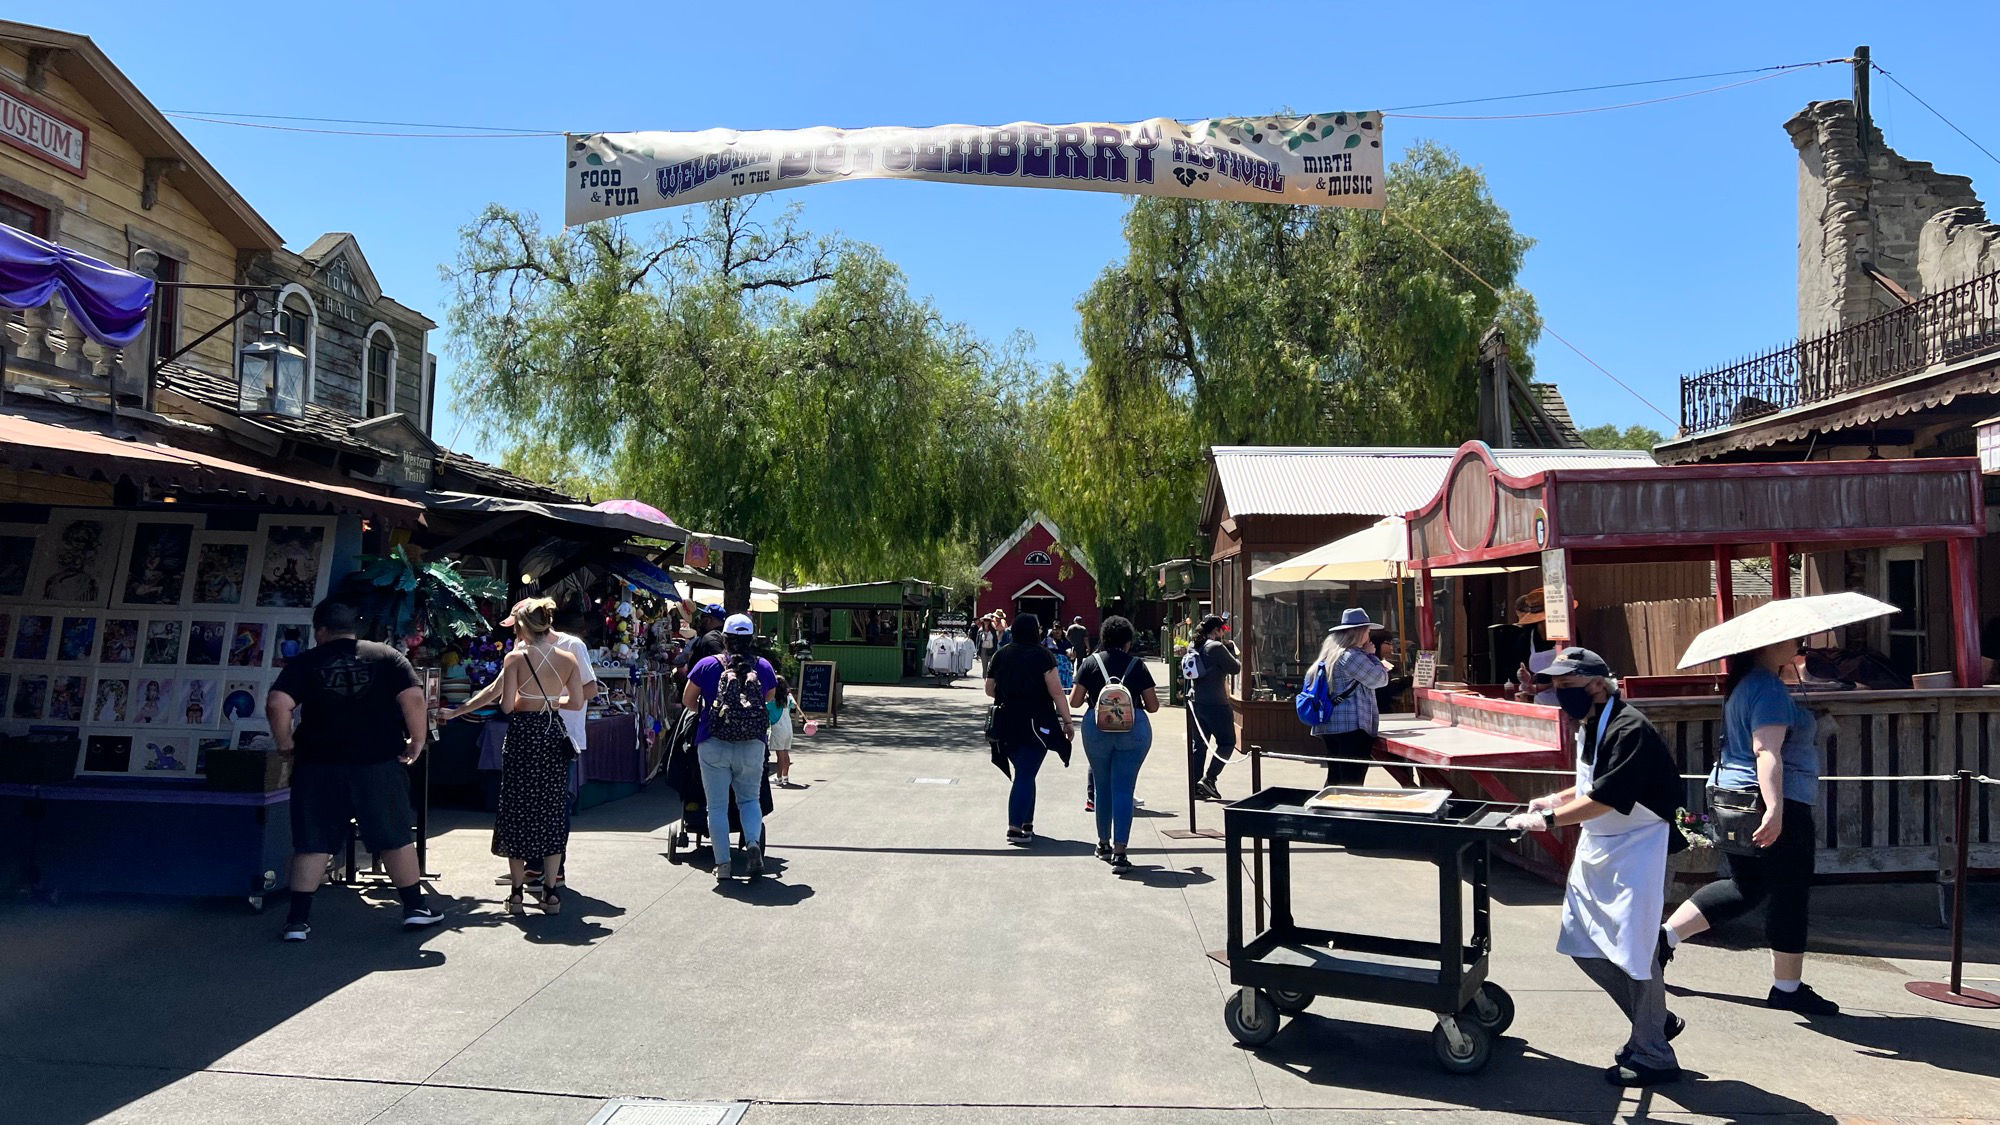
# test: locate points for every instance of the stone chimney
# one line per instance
(1870, 207)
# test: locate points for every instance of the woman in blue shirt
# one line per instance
(1768, 745)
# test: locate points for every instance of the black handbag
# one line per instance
(1736, 813)
(992, 728)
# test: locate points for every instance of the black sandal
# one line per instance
(551, 902)
(514, 900)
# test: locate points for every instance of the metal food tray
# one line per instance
(1279, 813)
(1383, 801)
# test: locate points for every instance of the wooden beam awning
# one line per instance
(1655, 513)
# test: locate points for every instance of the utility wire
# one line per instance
(355, 132)
(1589, 109)
(1539, 321)
(1934, 112)
(1616, 85)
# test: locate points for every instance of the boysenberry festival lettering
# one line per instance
(1326, 159)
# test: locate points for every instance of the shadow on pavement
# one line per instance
(1946, 1044)
(1168, 878)
(1044, 846)
(153, 990)
(1398, 1061)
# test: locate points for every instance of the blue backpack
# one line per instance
(1316, 701)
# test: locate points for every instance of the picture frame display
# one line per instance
(77, 557)
(17, 557)
(120, 641)
(223, 564)
(33, 636)
(110, 699)
(207, 639)
(162, 641)
(68, 695)
(76, 642)
(293, 568)
(154, 565)
(246, 643)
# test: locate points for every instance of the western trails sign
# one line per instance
(1322, 159)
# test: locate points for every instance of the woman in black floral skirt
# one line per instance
(537, 678)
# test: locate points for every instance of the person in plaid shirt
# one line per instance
(1353, 674)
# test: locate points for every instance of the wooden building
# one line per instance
(1265, 504)
(1032, 572)
(874, 631)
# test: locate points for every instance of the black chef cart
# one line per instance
(1283, 968)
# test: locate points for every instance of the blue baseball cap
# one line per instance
(714, 610)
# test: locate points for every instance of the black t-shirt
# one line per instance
(346, 691)
(1021, 687)
(1633, 766)
(1091, 680)
(1218, 664)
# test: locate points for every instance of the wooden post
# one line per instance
(1965, 613)
(1725, 586)
(1781, 570)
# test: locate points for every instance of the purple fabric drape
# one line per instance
(108, 303)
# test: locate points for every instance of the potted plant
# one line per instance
(414, 603)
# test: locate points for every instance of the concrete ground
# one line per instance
(908, 966)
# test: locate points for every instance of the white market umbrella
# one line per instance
(1782, 620)
(1377, 553)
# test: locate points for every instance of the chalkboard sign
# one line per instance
(819, 695)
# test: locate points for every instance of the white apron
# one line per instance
(1616, 895)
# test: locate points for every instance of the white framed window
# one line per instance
(298, 323)
(378, 372)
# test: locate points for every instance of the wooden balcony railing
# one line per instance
(1943, 328)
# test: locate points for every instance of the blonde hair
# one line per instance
(536, 615)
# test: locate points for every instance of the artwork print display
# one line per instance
(242, 699)
(204, 746)
(17, 559)
(220, 570)
(121, 641)
(157, 569)
(289, 577)
(31, 641)
(288, 641)
(164, 753)
(110, 704)
(200, 701)
(79, 638)
(31, 695)
(82, 555)
(246, 645)
(153, 700)
(163, 642)
(206, 640)
(66, 699)
(107, 753)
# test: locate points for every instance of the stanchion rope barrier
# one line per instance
(1405, 763)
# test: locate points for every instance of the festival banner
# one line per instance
(1324, 159)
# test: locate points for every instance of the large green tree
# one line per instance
(748, 377)
(1609, 436)
(1261, 325)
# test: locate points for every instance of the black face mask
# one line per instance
(1575, 701)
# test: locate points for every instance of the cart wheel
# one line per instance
(1251, 1017)
(1492, 1009)
(1291, 1003)
(1471, 1051)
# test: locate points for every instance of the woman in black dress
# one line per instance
(536, 679)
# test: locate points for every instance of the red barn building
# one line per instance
(1031, 573)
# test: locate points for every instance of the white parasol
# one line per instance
(1781, 620)
(1377, 553)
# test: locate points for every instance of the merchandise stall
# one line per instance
(1561, 519)
(149, 596)
(872, 630)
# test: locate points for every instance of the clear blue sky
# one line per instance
(1666, 235)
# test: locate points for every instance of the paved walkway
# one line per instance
(908, 966)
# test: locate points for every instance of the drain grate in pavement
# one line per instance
(933, 781)
(646, 1111)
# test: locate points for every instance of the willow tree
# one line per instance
(1249, 324)
(749, 377)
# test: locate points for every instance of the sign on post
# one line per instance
(819, 690)
(1425, 676)
(1555, 596)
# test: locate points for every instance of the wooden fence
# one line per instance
(1874, 826)
(1647, 638)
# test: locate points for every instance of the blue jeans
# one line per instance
(1027, 762)
(1115, 758)
(727, 767)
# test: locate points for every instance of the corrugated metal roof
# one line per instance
(1369, 481)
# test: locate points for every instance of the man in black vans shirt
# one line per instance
(361, 721)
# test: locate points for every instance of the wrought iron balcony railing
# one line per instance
(1943, 328)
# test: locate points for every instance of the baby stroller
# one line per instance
(682, 770)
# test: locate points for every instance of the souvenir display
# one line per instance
(293, 573)
(31, 639)
(163, 641)
(206, 639)
(121, 641)
(221, 568)
(109, 702)
(156, 562)
(66, 696)
(246, 645)
(79, 550)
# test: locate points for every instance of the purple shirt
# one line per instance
(707, 675)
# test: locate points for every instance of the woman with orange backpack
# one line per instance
(1116, 690)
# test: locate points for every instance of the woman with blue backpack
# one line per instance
(1338, 698)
